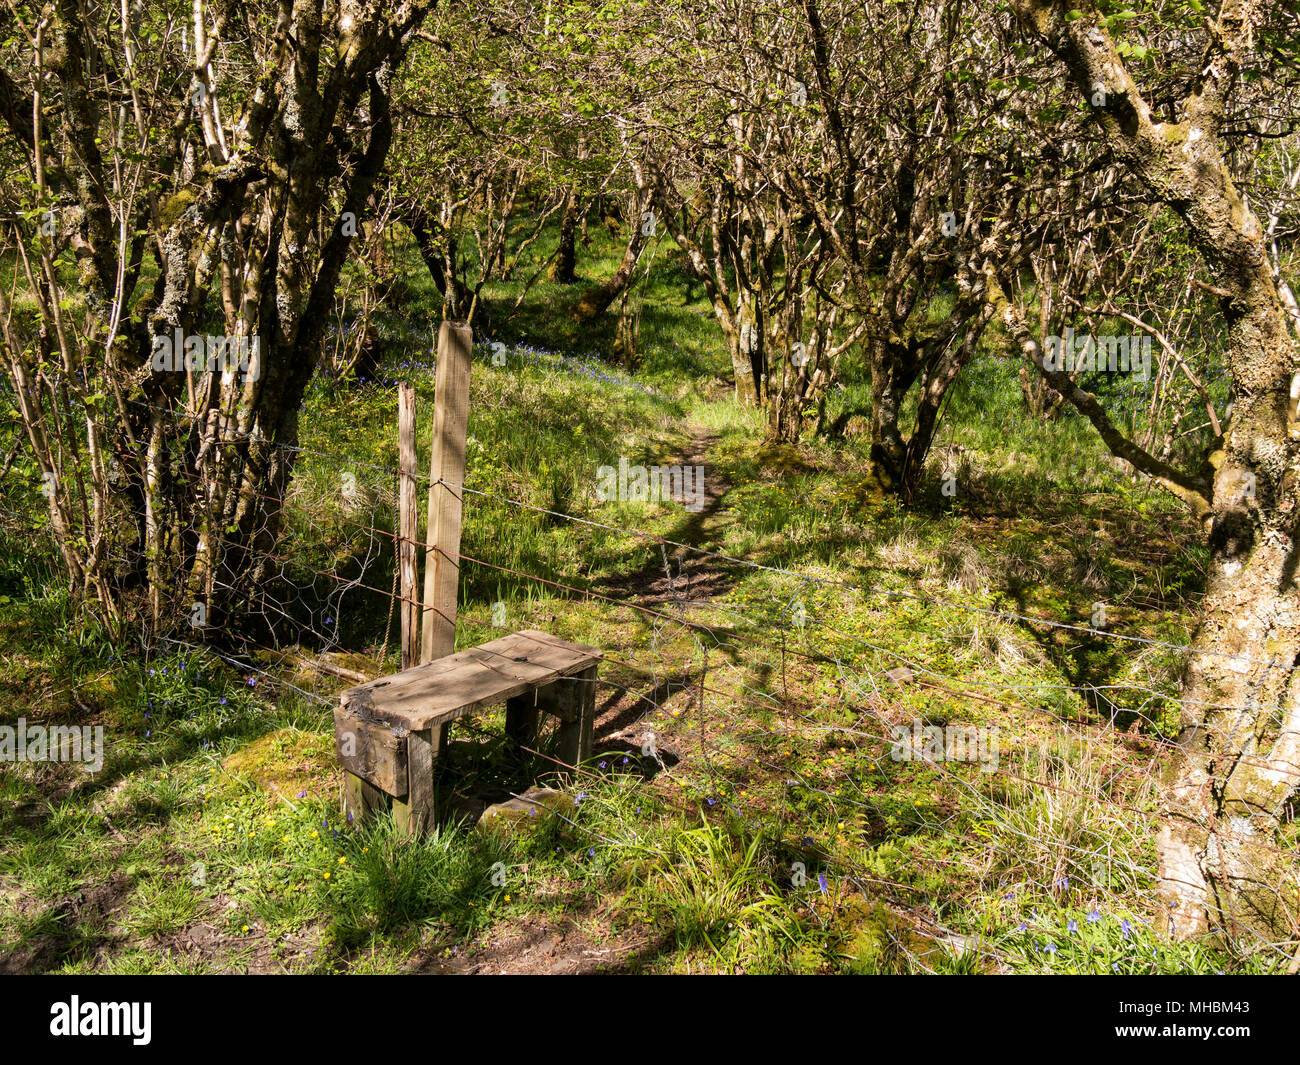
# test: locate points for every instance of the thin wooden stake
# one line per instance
(407, 523)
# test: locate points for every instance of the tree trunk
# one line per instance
(265, 185)
(887, 457)
(595, 301)
(1238, 749)
(457, 297)
(1236, 766)
(562, 269)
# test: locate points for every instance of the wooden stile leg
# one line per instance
(586, 699)
(521, 720)
(361, 799)
(418, 813)
(573, 701)
(557, 699)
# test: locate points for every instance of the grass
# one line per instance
(743, 811)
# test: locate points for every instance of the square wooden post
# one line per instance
(521, 719)
(446, 503)
(437, 639)
(419, 813)
(573, 701)
(447, 479)
(361, 800)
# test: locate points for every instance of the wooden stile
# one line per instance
(391, 731)
(396, 723)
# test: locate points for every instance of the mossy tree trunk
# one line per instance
(562, 270)
(1238, 754)
(249, 209)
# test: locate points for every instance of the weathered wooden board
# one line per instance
(450, 687)
(372, 750)
(577, 710)
(361, 799)
(418, 813)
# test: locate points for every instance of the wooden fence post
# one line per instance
(417, 812)
(447, 476)
(407, 524)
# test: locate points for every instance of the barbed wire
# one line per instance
(720, 725)
(807, 578)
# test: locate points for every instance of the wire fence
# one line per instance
(714, 706)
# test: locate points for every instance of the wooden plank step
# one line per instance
(441, 691)
(371, 750)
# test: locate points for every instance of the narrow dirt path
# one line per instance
(678, 573)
